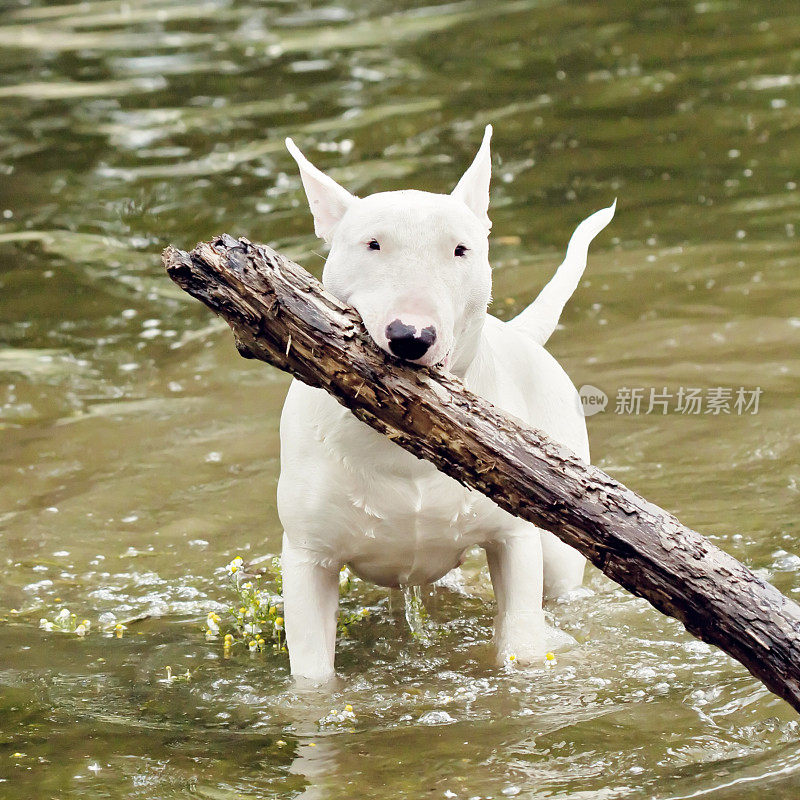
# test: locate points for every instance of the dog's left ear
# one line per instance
(327, 200)
(473, 188)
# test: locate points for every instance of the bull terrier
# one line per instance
(415, 265)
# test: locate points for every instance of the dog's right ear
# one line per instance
(327, 200)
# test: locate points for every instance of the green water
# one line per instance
(139, 453)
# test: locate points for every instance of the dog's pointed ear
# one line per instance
(327, 200)
(473, 188)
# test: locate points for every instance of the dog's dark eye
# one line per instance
(460, 251)
(373, 245)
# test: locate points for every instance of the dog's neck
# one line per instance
(468, 348)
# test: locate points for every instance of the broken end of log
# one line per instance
(178, 263)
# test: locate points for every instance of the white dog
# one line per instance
(415, 266)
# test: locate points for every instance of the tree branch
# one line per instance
(280, 314)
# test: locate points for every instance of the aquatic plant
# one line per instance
(255, 617)
(66, 622)
(338, 717)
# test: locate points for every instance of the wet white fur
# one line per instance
(348, 495)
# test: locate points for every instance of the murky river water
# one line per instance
(140, 453)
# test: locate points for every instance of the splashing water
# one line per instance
(416, 615)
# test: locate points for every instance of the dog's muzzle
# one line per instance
(406, 342)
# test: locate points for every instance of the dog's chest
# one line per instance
(401, 521)
(410, 535)
(349, 495)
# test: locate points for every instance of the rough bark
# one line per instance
(280, 314)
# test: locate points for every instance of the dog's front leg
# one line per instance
(515, 565)
(310, 608)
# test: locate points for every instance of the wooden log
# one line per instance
(280, 314)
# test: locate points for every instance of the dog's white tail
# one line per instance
(540, 318)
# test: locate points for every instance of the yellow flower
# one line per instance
(348, 708)
(278, 623)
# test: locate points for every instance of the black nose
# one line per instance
(405, 342)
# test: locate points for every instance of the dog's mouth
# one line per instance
(412, 342)
(442, 363)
